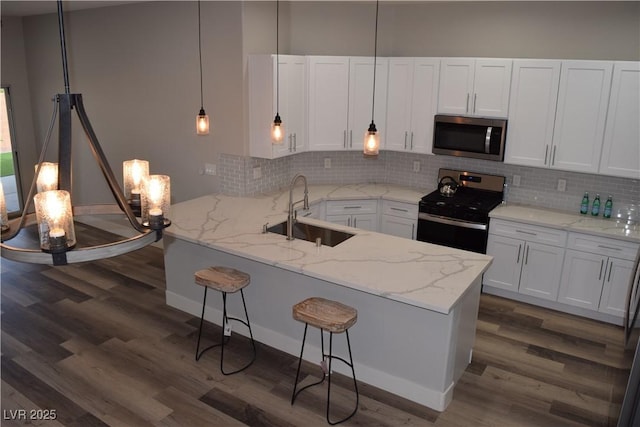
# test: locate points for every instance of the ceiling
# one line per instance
(40, 7)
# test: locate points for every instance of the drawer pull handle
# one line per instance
(352, 207)
(609, 247)
(527, 232)
(399, 209)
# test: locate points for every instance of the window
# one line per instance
(9, 173)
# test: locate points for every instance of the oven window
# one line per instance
(453, 236)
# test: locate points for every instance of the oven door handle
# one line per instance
(456, 222)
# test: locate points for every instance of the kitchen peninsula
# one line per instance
(417, 302)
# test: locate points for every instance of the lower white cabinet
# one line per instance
(527, 258)
(399, 219)
(597, 273)
(361, 214)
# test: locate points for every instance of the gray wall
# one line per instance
(137, 65)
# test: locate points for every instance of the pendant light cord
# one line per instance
(277, 57)
(375, 55)
(63, 47)
(200, 56)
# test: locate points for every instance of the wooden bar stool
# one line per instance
(333, 317)
(226, 280)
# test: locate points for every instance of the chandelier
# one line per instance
(144, 201)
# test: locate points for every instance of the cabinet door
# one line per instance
(426, 75)
(582, 107)
(491, 88)
(504, 271)
(361, 99)
(621, 149)
(398, 226)
(328, 102)
(616, 286)
(541, 271)
(582, 277)
(456, 85)
(399, 104)
(292, 101)
(532, 110)
(365, 221)
(341, 219)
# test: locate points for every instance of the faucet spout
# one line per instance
(305, 202)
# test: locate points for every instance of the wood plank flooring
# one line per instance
(96, 343)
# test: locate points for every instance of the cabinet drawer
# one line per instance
(341, 207)
(531, 233)
(603, 246)
(399, 209)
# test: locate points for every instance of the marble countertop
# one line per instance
(416, 273)
(598, 226)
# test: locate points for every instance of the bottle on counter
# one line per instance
(595, 208)
(608, 206)
(584, 205)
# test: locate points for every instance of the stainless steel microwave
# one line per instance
(476, 137)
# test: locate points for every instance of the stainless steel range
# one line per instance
(457, 213)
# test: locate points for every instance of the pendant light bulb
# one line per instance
(277, 130)
(202, 123)
(371, 141)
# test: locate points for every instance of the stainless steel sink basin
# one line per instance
(310, 233)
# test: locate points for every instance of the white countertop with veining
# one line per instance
(598, 226)
(420, 274)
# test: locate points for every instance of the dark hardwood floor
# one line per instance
(94, 344)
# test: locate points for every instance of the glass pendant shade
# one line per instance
(277, 130)
(48, 177)
(4, 217)
(371, 141)
(55, 220)
(134, 172)
(156, 198)
(202, 123)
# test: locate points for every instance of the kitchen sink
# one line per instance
(310, 233)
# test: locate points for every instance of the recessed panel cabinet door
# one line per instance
(491, 88)
(616, 286)
(582, 277)
(541, 270)
(504, 271)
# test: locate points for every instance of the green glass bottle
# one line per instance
(595, 208)
(608, 207)
(584, 205)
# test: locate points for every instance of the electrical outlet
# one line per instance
(516, 180)
(227, 329)
(327, 163)
(257, 172)
(209, 169)
(562, 185)
(416, 166)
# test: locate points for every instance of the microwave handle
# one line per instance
(487, 140)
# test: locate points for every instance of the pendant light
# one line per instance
(371, 136)
(202, 119)
(277, 130)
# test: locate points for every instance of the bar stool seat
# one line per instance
(227, 281)
(335, 318)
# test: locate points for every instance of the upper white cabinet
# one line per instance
(412, 99)
(621, 148)
(478, 87)
(532, 111)
(583, 98)
(264, 92)
(340, 100)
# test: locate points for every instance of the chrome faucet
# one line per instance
(292, 214)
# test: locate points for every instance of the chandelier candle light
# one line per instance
(371, 136)
(53, 208)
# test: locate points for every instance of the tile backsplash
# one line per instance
(538, 186)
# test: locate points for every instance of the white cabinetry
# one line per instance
(412, 99)
(597, 272)
(478, 87)
(263, 99)
(353, 213)
(583, 97)
(527, 258)
(532, 111)
(621, 148)
(399, 219)
(340, 101)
